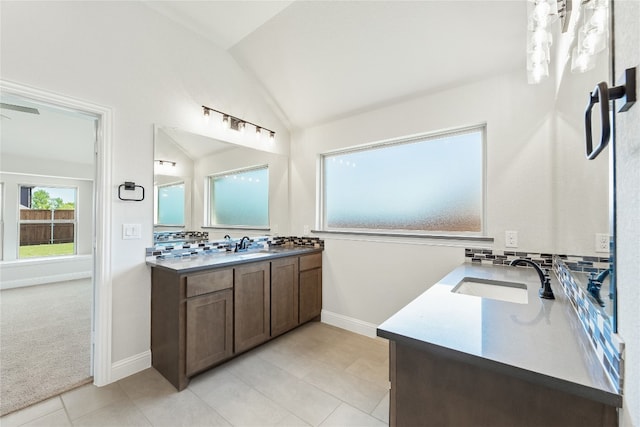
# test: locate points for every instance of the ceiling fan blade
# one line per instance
(19, 108)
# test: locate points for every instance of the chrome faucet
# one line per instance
(545, 284)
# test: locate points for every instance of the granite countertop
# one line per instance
(541, 341)
(193, 263)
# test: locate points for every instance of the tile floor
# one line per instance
(316, 375)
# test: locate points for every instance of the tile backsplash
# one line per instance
(185, 244)
(608, 345)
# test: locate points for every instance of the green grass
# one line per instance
(46, 250)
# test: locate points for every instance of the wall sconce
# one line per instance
(592, 32)
(236, 123)
(540, 15)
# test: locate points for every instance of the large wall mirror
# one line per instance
(584, 188)
(204, 184)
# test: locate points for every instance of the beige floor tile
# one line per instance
(296, 362)
(236, 401)
(89, 398)
(55, 419)
(292, 421)
(146, 384)
(122, 413)
(356, 391)
(382, 410)
(371, 370)
(347, 415)
(299, 397)
(32, 412)
(183, 409)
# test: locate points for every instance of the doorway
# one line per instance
(53, 266)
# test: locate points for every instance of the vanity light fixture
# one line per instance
(238, 124)
(166, 162)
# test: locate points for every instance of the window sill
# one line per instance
(444, 239)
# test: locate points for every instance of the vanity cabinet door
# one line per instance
(284, 295)
(209, 337)
(252, 292)
(310, 287)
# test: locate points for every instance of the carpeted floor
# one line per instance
(45, 341)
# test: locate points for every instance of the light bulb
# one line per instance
(225, 121)
(272, 136)
(258, 132)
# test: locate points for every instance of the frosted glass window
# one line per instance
(171, 204)
(240, 198)
(432, 184)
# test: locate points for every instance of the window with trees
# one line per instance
(47, 221)
(431, 184)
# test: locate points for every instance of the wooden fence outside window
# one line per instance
(39, 227)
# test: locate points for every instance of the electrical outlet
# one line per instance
(510, 239)
(602, 242)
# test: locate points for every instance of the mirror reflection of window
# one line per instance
(170, 208)
(240, 198)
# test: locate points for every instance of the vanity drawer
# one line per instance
(213, 281)
(308, 262)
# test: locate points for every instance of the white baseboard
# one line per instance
(131, 365)
(43, 280)
(349, 323)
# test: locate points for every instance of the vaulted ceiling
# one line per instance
(321, 60)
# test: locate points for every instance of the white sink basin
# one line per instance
(249, 255)
(493, 289)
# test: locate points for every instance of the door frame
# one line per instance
(102, 280)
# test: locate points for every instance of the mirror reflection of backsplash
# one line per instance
(608, 345)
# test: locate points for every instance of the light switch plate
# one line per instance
(510, 239)
(131, 231)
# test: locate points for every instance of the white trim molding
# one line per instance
(130, 365)
(102, 314)
(349, 323)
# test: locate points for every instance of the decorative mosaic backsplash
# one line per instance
(204, 247)
(607, 345)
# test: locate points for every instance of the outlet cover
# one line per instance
(510, 239)
(602, 242)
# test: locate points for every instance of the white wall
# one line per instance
(627, 54)
(241, 158)
(16, 171)
(148, 70)
(522, 177)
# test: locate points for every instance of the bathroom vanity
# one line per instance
(207, 309)
(459, 359)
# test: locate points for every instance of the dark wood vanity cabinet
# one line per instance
(199, 320)
(284, 295)
(252, 302)
(209, 311)
(310, 287)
